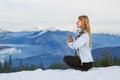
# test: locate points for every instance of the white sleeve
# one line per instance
(79, 42)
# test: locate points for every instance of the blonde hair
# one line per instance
(85, 21)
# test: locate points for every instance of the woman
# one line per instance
(82, 45)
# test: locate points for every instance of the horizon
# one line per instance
(118, 34)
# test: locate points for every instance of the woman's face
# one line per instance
(79, 23)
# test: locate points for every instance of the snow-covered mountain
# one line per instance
(108, 73)
(43, 45)
(43, 37)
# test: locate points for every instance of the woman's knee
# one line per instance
(65, 58)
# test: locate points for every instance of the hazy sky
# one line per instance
(21, 15)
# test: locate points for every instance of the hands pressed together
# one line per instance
(70, 39)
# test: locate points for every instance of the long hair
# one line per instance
(85, 21)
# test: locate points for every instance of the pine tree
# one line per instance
(10, 63)
(0, 67)
(6, 66)
(27, 66)
(33, 67)
(106, 59)
(97, 63)
(116, 60)
(21, 65)
(41, 65)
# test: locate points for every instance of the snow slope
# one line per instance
(108, 73)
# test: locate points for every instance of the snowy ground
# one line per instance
(108, 73)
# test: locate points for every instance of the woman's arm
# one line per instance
(78, 42)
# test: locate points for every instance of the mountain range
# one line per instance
(50, 46)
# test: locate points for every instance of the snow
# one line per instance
(38, 34)
(101, 73)
(43, 31)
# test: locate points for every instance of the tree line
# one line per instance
(7, 67)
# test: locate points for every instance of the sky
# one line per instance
(29, 15)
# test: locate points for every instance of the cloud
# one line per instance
(9, 51)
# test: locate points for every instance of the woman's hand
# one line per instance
(70, 39)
